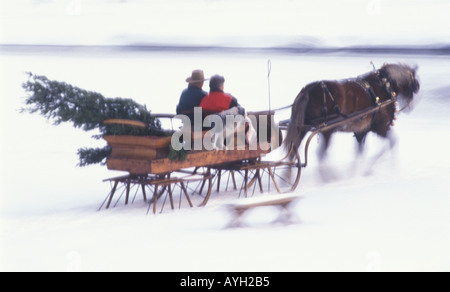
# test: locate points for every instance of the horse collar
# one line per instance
(387, 83)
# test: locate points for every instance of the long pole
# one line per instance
(269, 70)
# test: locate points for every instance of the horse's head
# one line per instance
(404, 80)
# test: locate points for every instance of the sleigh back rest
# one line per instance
(195, 133)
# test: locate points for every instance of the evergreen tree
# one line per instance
(61, 102)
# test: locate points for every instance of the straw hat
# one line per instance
(196, 77)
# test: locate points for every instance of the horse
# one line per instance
(323, 102)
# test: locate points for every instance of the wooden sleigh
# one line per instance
(190, 181)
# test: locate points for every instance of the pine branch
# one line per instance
(88, 156)
(61, 102)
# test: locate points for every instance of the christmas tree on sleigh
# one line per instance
(115, 118)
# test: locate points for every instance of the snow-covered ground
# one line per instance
(390, 216)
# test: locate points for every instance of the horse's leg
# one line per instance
(326, 172)
(361, 138)
(391, 142)
(391, 139)
(326, 143)
(358, 162)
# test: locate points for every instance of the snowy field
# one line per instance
(389, 216)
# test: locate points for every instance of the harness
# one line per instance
(369, 90)
(384, 81)
(336, 107)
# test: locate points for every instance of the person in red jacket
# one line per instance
(217, 100)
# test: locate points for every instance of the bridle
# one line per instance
(387, 83)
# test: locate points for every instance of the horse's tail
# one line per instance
(296, 131)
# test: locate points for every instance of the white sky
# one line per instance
(227, 22)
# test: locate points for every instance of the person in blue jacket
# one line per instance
(193, 95)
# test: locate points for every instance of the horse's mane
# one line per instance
(399, 72)
(404, 76)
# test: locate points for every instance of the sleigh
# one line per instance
(190, 181)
